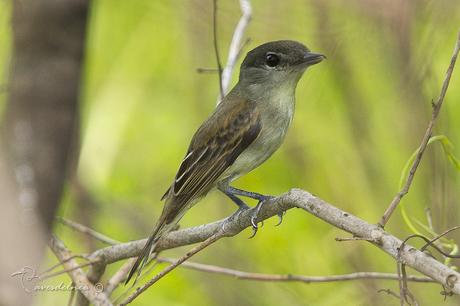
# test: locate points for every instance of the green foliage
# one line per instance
(448, 150)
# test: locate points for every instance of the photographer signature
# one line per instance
(29, 280)
(27, 276)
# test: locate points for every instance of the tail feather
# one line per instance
(144, 255)
(171, 214)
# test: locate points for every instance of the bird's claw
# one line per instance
(280, 218)
(254, 222)
(255, 227)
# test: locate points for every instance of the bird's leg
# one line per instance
(234, 198)
(241, 205)
(229, 190)
(248, 194)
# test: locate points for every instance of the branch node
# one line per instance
(451, 280)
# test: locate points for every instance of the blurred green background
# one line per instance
(359, 117)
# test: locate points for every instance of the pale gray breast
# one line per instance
(276, 116)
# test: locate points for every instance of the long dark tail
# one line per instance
(146, 251)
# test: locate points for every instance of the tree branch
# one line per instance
(292, 277)
(86, 230)
(237, 42)
(295, 198)
(429, 131)
(77, 275)
(235, 46)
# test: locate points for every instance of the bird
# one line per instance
(246, 128)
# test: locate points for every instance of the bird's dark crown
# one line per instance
(290, 53)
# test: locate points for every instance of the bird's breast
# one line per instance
(276, 116)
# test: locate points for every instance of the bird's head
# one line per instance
(277, 63)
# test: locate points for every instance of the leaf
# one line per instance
(448, 148)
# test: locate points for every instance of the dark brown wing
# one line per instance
(215, 146)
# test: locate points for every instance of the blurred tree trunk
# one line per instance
(39, 130)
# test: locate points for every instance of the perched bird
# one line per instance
(245, 129)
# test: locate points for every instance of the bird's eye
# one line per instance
(272, 60)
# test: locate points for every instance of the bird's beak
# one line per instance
(311, 58)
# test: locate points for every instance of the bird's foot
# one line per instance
(254, 216)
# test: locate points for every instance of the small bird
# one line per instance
(245, 129)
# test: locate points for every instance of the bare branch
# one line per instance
(296, 198)
(235, 45)
(292, 277)
(389, 292)
(436, 108)
(206, 70)
(86, 230)
(46, 276)
(404, 293)
(77, 275)
(386, 242)
(439, 237)
(97, 269)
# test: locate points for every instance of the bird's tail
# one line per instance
(144, 255)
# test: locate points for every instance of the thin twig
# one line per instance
(216, 48)
(97, 267)
(389, 292)
(404, 292)
(207, 70)
(434, 246)
(292, 277)
(86, 264)
(236, 44)
(439, 237)
(77, 275)
(160, 275)
(436, 108)
(86, 230)
(59, 264)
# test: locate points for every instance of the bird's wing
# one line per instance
(215, 146)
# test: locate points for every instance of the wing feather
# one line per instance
(215, 146)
